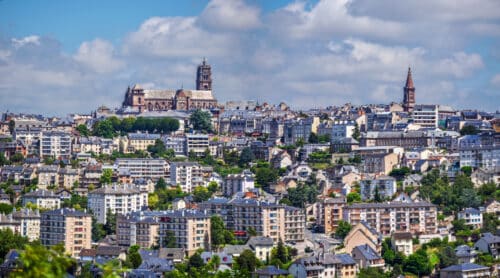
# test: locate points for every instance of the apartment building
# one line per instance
(47, 176)
(141, 141)
(480, 151)
(331, 211)
(176, 143)
(296, 130)
(55, 144)
(43, 199)
(197, 144)
(29, 222)
(68, 177)
(405, 139)
(383, 186)
(144, 168)
(426, 115)
(187, 175)
(386, 218)
(472, 217)
(275, 221)
(137, 228)
(238, 183)
(71, 227)
(118, 198)
(8, 222)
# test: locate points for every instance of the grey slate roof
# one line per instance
(367, 252)
(464, 267)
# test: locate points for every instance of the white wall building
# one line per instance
(235, 183)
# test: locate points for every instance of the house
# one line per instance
(152, 263)
(302, 170)
(319, 265)
(261, 246)
(176, 255)
(489, 243)
(270, 271)
(281, 160)
(107, 253)
(493, 207)
(383, 186)
(465, 270)
(465, 254)
(366, 257)
(402, 242)
(362, 234)
(473, 217)
(10, 263)
(345, 266)
(87, 255)
(225, 259)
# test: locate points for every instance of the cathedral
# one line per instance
(141, 100)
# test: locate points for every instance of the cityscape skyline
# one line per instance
(305, 53)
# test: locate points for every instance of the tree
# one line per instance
(83, 130)
(195, 261)
(110, 226)
(3, 159)
(246, 157)
(6, 208)
(490, 223)
(98, 231)
(217, 230)
(371, 272)
(106, 177)
(17, 158)
(313, 138)
(201, 193)
(353, 197)
(160, 184)
(169, 241)
(247, 261)
(12, 126)
(355, 134)
(418, 263)
(447, 257)
(104, 129)
(469, 130)
(134, 259)
(343, 229)
(467, 170)
(9, 240)
(265, 176)
(213, 187)
(201, 121)
(38, 261)
(279, 254)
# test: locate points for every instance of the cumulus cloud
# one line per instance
(233, 15)
(495, 80)
(26, 40)
(99, 56)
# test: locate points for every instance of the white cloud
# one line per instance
(26, 40)
(99, 56)
(233, 15)
(459, 65)
(176, 37)
(495, 80)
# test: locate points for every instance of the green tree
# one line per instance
(313, 138)
(169, 241)
(490, 223)
(353, 197)
(160, 184)
(195, 261)
(201, 121)
(98, 231)
(17, 158)
(201, 193)
(265, 176)
(39, 261)
(217, 231)
(9, 240)
(6, 208)
(247, 261)
(110, 225)
(356, 134)
(469, 130)
(343, 229)
(213, 187)
(246, 157)
(447, 257)
(106, 177)
(371, 272)
(104, 129)
(83, 130)
(279, 254)
(133, 257)
(418, 263)
(3, 159)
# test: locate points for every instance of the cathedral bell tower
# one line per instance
(409, 93)
(204, 76)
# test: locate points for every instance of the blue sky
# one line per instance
(61, 56)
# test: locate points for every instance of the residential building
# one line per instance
(270, 271)
(365, 257)
(176, 143)
(48, 176)
(299, 130)
(117, 198)
(137, 229)
(68, 177)
(465, 254)
(71, 227)
(197, 144)
(141, 141)
(187, 175)
(43, 199)
(382, 187)
(404, 139)
(402, 242)
(55, 144)
(238, 183)
(472, 217)
(490, 244)
(8, 222)
(294, 224)
(143, 168)
(479, 151)
(261, 246)
(331, 213)
(425, 115)
(29, 222)
(362, 234)
(386, 218)
(324, 265)
(466, 270)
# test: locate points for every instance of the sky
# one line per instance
(59, 56)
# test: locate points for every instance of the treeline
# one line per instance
(112, 126)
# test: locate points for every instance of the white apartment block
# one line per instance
(43, 199)
(146, 168)
(238, 183)
(120, 199)
(197, 143)
(425, 115)
(479, 151)
(187, 175)
(55, 144)
(30, 222)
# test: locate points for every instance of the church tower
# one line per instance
(204, 76)
(409, 93)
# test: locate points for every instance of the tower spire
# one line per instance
(409, 93)
(409, 80)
